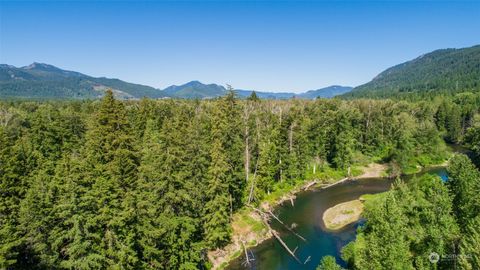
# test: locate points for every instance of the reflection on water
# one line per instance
(307, 215)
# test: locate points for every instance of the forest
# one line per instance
(443, 71)
(153, 184)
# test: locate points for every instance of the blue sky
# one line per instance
(263, 45)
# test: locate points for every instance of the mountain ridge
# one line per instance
(445, 70)
(39, 80)
(46, 81)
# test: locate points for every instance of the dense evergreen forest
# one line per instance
(444, 71)
(152, 184)
(408, 224)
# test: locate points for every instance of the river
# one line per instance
(307, 215)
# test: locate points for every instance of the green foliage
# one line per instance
(435, 73)
(464, 183)
(328, 263)
(469, 257)
(408, 223)
(404, 226)
(154, 184)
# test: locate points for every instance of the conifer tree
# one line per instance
(112, 171)
(328, 263)
(464, 184)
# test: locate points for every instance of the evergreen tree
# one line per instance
(217, 217)
(464, 184)
(328, 263)
(253, 97)
(112, 172)
(469, 255)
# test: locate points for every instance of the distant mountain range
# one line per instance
(327, 92)
(195, 89)
(44, 81)
(440, 71)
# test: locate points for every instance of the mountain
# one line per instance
(46, 82)
(327, 92)
(264, 95)
(195, 89)
(446, 70)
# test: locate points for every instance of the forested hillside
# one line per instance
(446, 71)
(153, 184)
(43, 81)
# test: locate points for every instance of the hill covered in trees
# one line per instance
(43, 81)
(153, 184)
(442, 71)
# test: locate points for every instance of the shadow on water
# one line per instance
(307, 217)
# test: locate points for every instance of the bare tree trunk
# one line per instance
(246, 116)
(247, 154)
(290, 138)
(5, 117)
(280, 158)
(231, 206)
(252, 186)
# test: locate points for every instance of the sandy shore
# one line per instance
(374, 170)
(340, 215)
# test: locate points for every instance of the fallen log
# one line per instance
(275, 234)
(263, 215)
(246, 253)
(292, 231)
(307, 186)
(307, 260)
(336, 183)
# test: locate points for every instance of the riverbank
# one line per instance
(248, 229)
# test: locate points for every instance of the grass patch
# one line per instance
(370, 200)
(243, 222)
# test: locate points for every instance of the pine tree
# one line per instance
(112, 171)
(168, 208)
(217, 217)
(464, 184)
(253, 97)
(328, 263)
(469, 257)
(9, 199)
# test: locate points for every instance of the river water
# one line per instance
(307, 214)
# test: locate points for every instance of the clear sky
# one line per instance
(262, 45)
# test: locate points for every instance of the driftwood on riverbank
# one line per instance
(275, 234)
(323, 186)
(307, 186)
(336, 183)
(288, 228)
(247, 258)
(264, 217)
